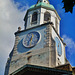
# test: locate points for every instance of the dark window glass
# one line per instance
(47, 16)
(34, 17)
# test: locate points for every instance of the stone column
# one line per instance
(38, 20)
(41, 18)
(28, 21)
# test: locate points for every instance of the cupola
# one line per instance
(41, 13)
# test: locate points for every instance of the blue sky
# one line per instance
(12, 13)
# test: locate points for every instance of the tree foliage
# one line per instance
(68, 5)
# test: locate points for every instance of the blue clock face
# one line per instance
(31, 39)
(58, 45)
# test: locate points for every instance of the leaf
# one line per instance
(68, 5)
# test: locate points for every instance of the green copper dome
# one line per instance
(43, 4)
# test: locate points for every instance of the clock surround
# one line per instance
(58, 46)
(31, 39)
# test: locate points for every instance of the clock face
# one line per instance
(58, 45)
(31, 39)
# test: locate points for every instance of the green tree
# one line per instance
(68, 5)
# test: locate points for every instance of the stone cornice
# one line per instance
(42, 25)
(41, 69)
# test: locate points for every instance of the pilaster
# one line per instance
(48, 36)
(15, 46)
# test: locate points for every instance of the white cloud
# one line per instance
(70, 47)
(70, 43)
(10, 19)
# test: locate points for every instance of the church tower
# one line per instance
(40, 42)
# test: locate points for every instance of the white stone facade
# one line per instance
(47, 54)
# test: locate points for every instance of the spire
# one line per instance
(45, 1)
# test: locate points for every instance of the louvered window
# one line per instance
(47, 16)
(34, 17)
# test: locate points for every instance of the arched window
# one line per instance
(47, 16)
(34, 17)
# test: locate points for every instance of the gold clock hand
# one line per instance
(31, 39)
(58, 44)
(32, 35)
